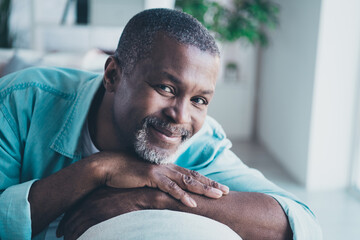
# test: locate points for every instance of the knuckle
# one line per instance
(189, 180)
(214, 184)
(206, 187)
(195, 174)
(173, 185)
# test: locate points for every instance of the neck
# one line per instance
(101, 125)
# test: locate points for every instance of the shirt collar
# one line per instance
(66, 142)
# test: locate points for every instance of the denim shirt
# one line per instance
(42, 112)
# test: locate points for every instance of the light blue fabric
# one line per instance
(208, 152)
(41, 115)
(42, 111)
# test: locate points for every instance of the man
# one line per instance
(70, 144)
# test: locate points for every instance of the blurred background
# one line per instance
(287, 95)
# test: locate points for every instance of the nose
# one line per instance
(179, 112)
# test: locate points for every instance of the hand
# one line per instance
(105, 203)
(125, 171)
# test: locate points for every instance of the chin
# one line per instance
(154, 154)
(152, 146)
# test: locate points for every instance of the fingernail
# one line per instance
(217, 192)
(192, 202)
(225, 189)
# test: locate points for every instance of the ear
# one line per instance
(112, 75)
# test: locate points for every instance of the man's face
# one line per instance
(164, 100)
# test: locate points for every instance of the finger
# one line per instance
(195, 186)
(80, 229)
(67, 223)
(60, 228)
(201, 178)
(170, 187)
(64, 225)
(185, 182)
(225, 189)
(188, 183)
(207, 181)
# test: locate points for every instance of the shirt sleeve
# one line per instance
(209, 153)
(228, 169)
(15, 219)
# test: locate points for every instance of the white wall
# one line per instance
(286, 85)
(113, 12)
(37, 24)
(336, 79)
(233, 102)
(307, 90)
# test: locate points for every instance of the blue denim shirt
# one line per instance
(42, 112)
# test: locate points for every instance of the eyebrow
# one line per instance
(177, 81)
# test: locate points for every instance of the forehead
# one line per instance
(187, 63)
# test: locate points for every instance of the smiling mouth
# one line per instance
(166, 135)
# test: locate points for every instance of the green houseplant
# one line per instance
(247, 19)
(5, 37)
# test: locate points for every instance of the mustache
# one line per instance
(168, 126)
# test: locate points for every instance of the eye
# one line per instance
(200, 101)
(165, 88)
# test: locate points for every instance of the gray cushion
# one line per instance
(160, 225)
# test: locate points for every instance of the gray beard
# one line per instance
(150, 153)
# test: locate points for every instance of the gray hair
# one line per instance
(138, 36)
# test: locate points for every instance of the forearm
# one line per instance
(55, 194)
(251, 215)
(52, 196)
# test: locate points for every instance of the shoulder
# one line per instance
(212, 128)
(204, 146)
(38, 93)
(210, 133)
(47, 78)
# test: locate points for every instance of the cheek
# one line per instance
(149, 102)
(198, 119)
